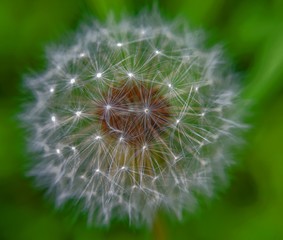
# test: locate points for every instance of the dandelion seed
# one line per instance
(73, 80)
(78, 113)
(140, 146)
(97, 137)
(81, 55)
(99, 75)
(130, 75)
(53, 119)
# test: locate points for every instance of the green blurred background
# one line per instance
(252, 34)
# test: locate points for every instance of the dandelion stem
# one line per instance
(158, 230)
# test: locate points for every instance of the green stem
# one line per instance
(159, 232)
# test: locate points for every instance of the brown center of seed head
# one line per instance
(134, 113)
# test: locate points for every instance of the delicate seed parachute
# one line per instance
(131, 117)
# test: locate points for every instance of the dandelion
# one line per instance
(130, 118)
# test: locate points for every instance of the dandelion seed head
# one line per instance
(147, 133)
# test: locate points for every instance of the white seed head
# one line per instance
(137, 146)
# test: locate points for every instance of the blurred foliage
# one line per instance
(251, 31)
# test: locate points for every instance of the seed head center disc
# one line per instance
(134, 113)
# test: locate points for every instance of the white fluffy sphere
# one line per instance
(131, 117)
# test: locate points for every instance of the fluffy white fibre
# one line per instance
(107, 176)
